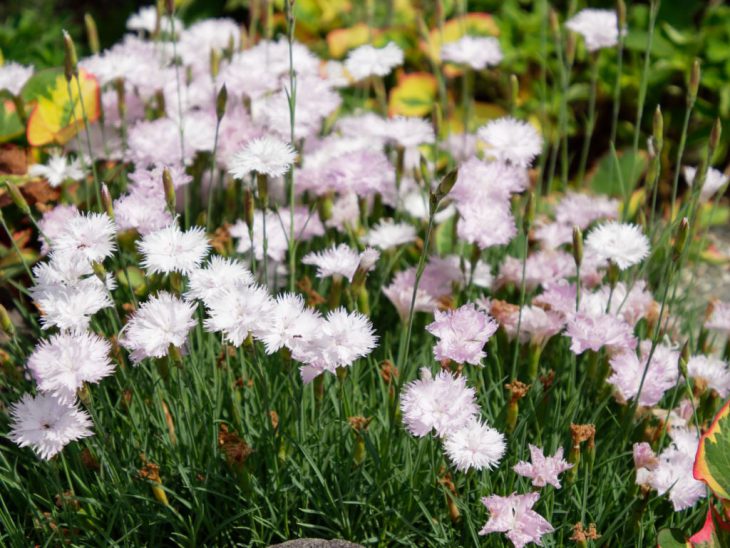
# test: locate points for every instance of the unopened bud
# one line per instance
(658, 131)
(446, 184)
(680, 242)
(514, 87)
(170, 7)
(554, 21)
(106, 200)
(99, 271)
(5, 322)
(324, 207)
(92, 33)
(70, 61)
(694, 82)
(215, 62)
(613, 274)
(577, 245)
(169, 188)
(248, 208)
(121, 98)
(17, 197)
(220, 102)
(262, 183)
(684, 359)
(528, 216)
(621, 15)
(715, 135)
(570, 47)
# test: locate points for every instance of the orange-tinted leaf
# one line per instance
(714, 533)
(712, 462)
(58, 116)
(340, 41)
(414, 95)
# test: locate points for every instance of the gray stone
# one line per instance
(316, 543)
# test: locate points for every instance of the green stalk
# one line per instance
(642, 88)
(590, 122)
(292, 99)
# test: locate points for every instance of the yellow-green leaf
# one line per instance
(414, 95)
(58, 116)
(712, 462)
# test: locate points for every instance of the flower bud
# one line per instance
(70, 60)
(170, 7)
(694, 82)
(5, 322)
(424, 172)
(215, 62)
(446, 184)
(262, 183)
(658, 133)
(169, 188)
(680, 242)
(528, 216)
(220, 102)
(570, 47)
(248, 208)
(715, 135)
(613, 274)
(17, 197)
(621, 15)
(324, 207)
(577, 245)
(121, 98)
(554, 22)
(92, 33)
(684, 359)
(514, 87)
(106, 200)
(99, 271)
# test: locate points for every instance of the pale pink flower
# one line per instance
(477, 52)
(661, 375)
(593, 332)
(673, 473)
(444, 404)
(462, 334)
(714, 181)
(513, 515)
(340, 260)
(711, 371)
(543, 470)
(367, 60)
(719, 319)
(53, 222)
(583, 209)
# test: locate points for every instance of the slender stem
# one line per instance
(181, 128)
(292, 98)
(211, 182)
(15, 246)
(617, 93)
(590, 122)
(513, 372)
(419, 273)
(642, 87)
(680, 154)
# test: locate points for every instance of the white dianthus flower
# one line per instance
(368, 61)
(510, 140)
(172, 250)
(599, 28)
(477, 52)
(47, 425)
(62, 364)
(162, 321)
(267, 155)
(621, 243)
